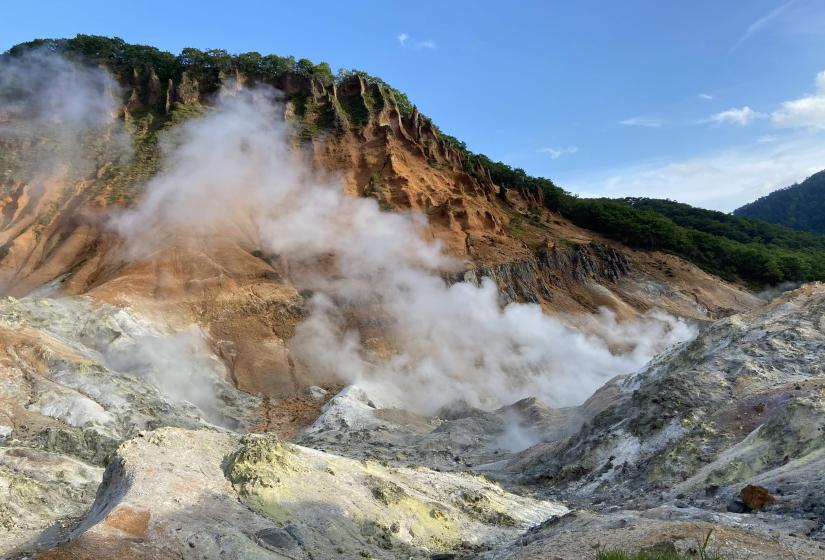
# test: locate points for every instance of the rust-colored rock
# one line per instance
(756, 497)
(128, 520)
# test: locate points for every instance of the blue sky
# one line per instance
(707, 102)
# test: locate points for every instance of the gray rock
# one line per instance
(275, 538)
(737, 506)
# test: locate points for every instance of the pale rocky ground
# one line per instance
(653, 459)
(583, 533)
(257, 497)
(742, 403)
(77, 379)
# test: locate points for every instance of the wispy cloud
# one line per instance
(405, 40)
(760, 23)
(722, 180)
(805, 112)
(556, 153)
(642, 121)
(705, 96)
(742, 117)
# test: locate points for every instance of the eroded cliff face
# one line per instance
(54, 229)
(354, 131)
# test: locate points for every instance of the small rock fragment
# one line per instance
(737, 506)
(316, 393)
(756, 497)
(275, 538)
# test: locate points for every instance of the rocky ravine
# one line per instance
(656, 458)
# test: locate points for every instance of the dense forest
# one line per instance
(735, 248)
(800, 206)
(732, 247)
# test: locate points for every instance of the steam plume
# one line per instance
(234, 173)
(49, 106)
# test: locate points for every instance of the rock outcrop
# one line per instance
(742, 404)
(76, 379)
(535, 279)
(258, 497)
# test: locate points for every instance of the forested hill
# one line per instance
(800, 206)
(734, 246)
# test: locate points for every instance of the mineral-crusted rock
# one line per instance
(194, 494)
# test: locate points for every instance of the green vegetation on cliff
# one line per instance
(208, 67)
(731, 247)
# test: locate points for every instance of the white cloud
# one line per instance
(727, 179)
(642, 121)
(404, 39)
(722, 181)
(742, 117)
(556, 153)
(760, 23)
(806, 112)
(705, 96)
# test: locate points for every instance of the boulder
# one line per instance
(756, 497)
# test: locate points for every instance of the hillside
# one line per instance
(184, 261)
(358, 126)
(800, 206)
(731, 245)
(255, 309)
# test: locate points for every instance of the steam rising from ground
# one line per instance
(234, 173)
(48, 90)
(179, 364)
(772, 292)
(51, 109)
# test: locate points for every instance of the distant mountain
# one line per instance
(800, 206)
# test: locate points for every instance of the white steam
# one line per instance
(458, 342)
(179, 364)
(48, 90)
(54, 113)
(59, 132)
(233, 173)
(771, 293)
